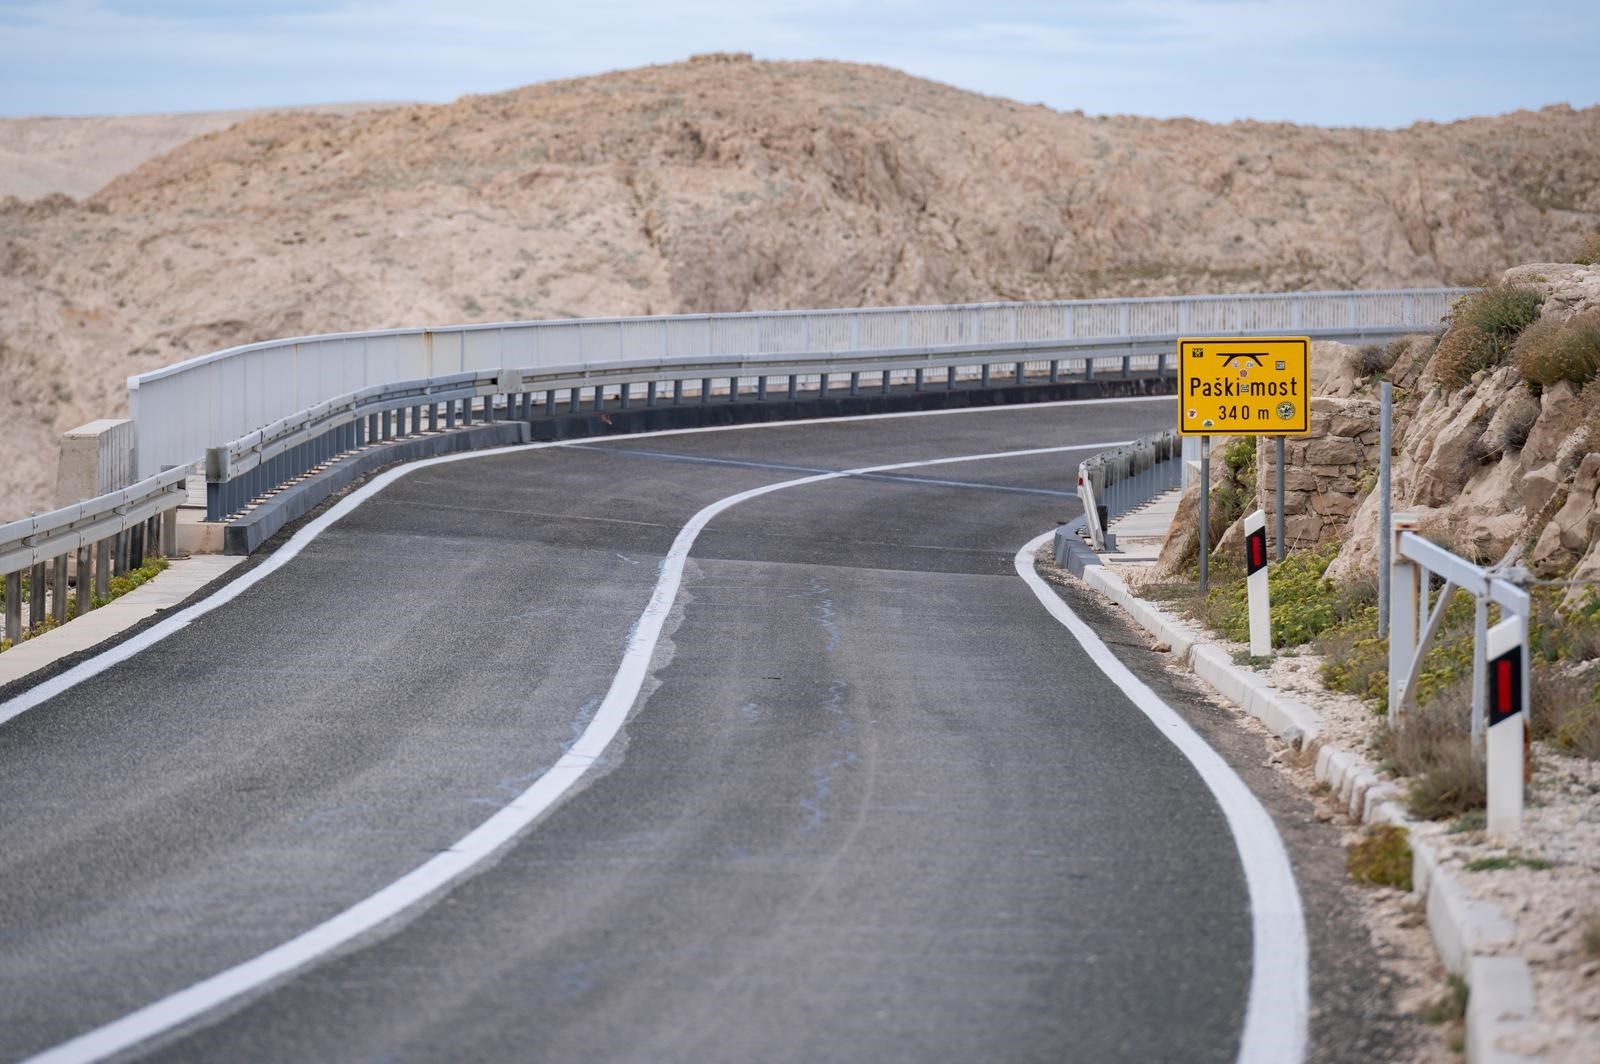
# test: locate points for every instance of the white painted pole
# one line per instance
(1255, 567)
(1508, 719)
(1403, 620)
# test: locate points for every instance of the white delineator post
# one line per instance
(1508, 721)
(1255, 567)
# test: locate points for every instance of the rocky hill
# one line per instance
(727, 184)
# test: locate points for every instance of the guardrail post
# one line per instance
(794, 383)
(1508, 722)
(983, 376)
(822, 387)
(58, 590)
(1088, 367)
(36, 588)
(918, 385)
(677, 391)
(855, 384)
(1021, 369)
(705, 389)
(549, 402)
(1404, 578)
(950, 378)
(135, 546)
(169, 532)
(13, 629)
(1055, 370)
(761, 389)
(1161, 359)
(84, 577)
(102, 568)
(1127, 366)
(886, 380)
(733, 389)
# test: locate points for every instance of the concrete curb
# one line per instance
(1470, 937)
(244, 535)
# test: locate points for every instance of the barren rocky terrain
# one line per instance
(726, 184)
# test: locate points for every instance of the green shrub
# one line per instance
(1587, 250)
(1549, 351)
(1483, 327)
(1382, 856)
(1303, 603)
(1500, 310)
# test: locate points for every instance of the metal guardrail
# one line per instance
(108, 534)
(1414, 621)
(243, 469)
(181, 410)
(1115, 482)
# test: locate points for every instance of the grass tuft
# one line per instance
(1451, 1007)
(1382, 856)
(1500, 862)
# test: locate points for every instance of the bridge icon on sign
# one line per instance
(1255, 357)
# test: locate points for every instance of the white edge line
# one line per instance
(478, 844)
(1278, 1008)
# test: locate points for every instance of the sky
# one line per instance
(1336, 62)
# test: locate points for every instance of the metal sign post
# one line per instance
(1205, 513)
(1277, 503)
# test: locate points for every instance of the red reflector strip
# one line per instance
(1502, 683)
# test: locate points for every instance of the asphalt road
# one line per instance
(874, 803)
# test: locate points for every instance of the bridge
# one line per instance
(755, 740)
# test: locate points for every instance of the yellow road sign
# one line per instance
(1244, 386)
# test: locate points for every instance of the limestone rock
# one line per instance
(1509, 426)
(1573, 531)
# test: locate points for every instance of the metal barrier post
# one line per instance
(13, 630)
(85, 575)
(36, 595)
(1404, 579)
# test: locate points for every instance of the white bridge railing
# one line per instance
(181, 410)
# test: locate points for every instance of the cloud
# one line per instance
(1358, 62)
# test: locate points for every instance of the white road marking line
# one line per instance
(1277, 1011)
(477, 845)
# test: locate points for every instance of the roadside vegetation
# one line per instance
(1484, 326)
(118, 586)
(1433, 746)
(1382, 856)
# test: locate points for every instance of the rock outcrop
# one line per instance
(1490, 466)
